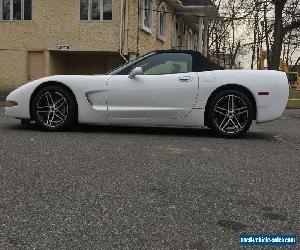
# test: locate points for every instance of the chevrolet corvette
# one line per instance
(173, 88)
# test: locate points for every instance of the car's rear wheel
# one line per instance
(54, 108)
(230, 113)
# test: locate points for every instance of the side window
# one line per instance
(166, 63)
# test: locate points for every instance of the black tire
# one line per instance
(25, 123)
(230, 122)
(54, 108)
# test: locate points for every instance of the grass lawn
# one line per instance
(294, 95)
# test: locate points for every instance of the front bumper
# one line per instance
(22, 110)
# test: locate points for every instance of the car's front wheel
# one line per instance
(230, 113)
(54, 108)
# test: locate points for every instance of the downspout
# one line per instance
(121, 31)
(138, 29)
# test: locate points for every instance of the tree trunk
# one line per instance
(266, 34)
(254, 38)
(278, 35)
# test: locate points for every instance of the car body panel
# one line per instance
(178, 99)
(269, 107)
(169, 96)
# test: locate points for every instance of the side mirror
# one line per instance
(135, 72)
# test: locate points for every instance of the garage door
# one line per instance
(36, 64)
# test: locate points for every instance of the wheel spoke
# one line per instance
(51, 121)
(60, 102)
(224, 123)
(49, 99)
(60, 115)
(48, 118)
(231, 103)
(240, 111)
(60, 118)
(46, 96)
(44, 109)
(220, 110)
(50, 96)
(236, 123)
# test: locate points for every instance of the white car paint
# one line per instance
(161, 100)
(169, 96)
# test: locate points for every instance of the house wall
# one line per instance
(58, 22)
(13, 69)
(142, 42)
(53, 22)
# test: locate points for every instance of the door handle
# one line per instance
(185, 78)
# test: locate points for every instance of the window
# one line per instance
(162, 22)
(147, 15)
(107, 10)
(166, 63)
(190, 40)
(175, 31)
(195, 42)
(96, 10)
(16, 9)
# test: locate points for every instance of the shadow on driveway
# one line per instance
(162, 131)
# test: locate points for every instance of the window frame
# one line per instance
(127, 68)
(11, 10)
(101, 12)
(176, 31)
(160, 36)
(190, 39)
(143, 26)
(195, 42)
(170, 57)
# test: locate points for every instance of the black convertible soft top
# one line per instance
(200, 62)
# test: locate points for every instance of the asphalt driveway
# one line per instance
(141, 188)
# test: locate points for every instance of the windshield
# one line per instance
(119, 69)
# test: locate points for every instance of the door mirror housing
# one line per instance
(135, 72)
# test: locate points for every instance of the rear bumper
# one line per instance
(277, 102)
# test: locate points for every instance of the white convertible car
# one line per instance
(162, 88)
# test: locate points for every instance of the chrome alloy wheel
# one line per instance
(231, 114)
(52, 109)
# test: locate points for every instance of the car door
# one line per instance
(166, 90)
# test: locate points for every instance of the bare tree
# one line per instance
(282, 28)
(275, 26)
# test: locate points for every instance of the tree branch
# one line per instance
(292, 26)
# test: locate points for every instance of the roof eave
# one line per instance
(209, 11)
